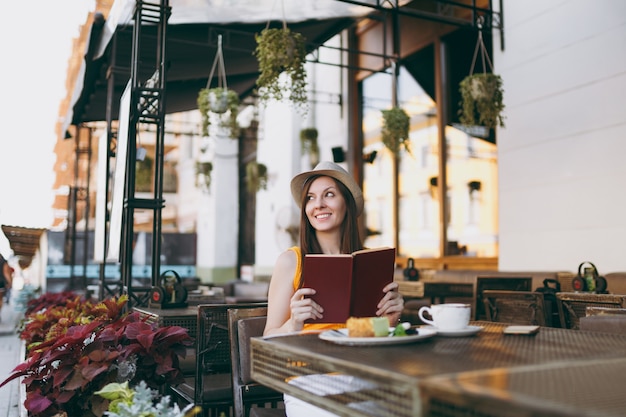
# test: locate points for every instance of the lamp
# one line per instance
(339, 155)
(369, 158)
(473, 186)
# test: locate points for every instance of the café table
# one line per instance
(387, 380)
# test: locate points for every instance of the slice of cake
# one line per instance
(368, 326)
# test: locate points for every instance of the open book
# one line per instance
(349, 285)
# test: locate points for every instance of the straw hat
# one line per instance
(329, 169)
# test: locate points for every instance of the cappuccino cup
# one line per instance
(450, 316)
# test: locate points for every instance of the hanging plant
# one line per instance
(481, 100)
(280, 50)
(203, 175)
(256, 176)
(143, 174)
(220, 100)
(481, 93)
(395, 131)
(308, 144)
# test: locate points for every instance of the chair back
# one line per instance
(515, 307)
(497, 283)
(244, 324)
(602, 311)
(606, 323)
(213, 343)
(573, 305)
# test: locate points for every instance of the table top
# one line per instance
(393, 373)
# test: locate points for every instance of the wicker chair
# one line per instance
(242, 325)
(515, 307)
(573, 305)
(503, 283)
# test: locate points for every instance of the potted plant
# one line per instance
(77, 347)
(481, 93)
(308, 144)
(256, 176)
(219, 101)
(280, 50)
(142, 401)
(481, 100)
(395, 130)
(203, 174)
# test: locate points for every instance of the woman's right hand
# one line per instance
(304, 308)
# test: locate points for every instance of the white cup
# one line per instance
(451, 316)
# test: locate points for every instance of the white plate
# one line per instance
(341, 337)
(468, 331)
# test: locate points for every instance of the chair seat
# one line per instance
(217, 387)
(267, 412)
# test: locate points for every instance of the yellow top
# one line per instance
(296, 281)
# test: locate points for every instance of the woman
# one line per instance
(330, 202)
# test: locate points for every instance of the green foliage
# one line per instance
(143, 174)
(278, 51)
(482, 100)
(141, 402)
(203, 175)
(221, 102)
(395, 131)
(308, 143)
(256, 176)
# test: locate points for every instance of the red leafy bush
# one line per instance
(88, 346)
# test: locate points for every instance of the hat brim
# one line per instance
(298, 182)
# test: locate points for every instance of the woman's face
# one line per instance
(325, 206)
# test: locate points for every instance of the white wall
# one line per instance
(562, 155)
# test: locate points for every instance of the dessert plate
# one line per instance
(468, 331)
(341, 337)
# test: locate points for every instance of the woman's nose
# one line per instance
(318, 202)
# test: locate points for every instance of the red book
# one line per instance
(349, 285)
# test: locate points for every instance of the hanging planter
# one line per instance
(220, 100)
(203, 175)
(308, 144)
(481, 100)
(481, 93)
(256, 176)
(280, 50)
(395, 130)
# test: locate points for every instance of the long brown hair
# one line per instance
(350, 236)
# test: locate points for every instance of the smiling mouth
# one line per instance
(322, 216)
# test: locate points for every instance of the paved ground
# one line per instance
(10, 356)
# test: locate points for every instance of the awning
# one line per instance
(24, 242)
(191, 45)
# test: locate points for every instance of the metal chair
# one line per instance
(242, 325)
(515, 307)
(211, 386)
(573, 305)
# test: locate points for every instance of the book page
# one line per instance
(373, 270)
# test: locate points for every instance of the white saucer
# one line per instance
(468, 331)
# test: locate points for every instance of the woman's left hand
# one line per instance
(392, 303)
